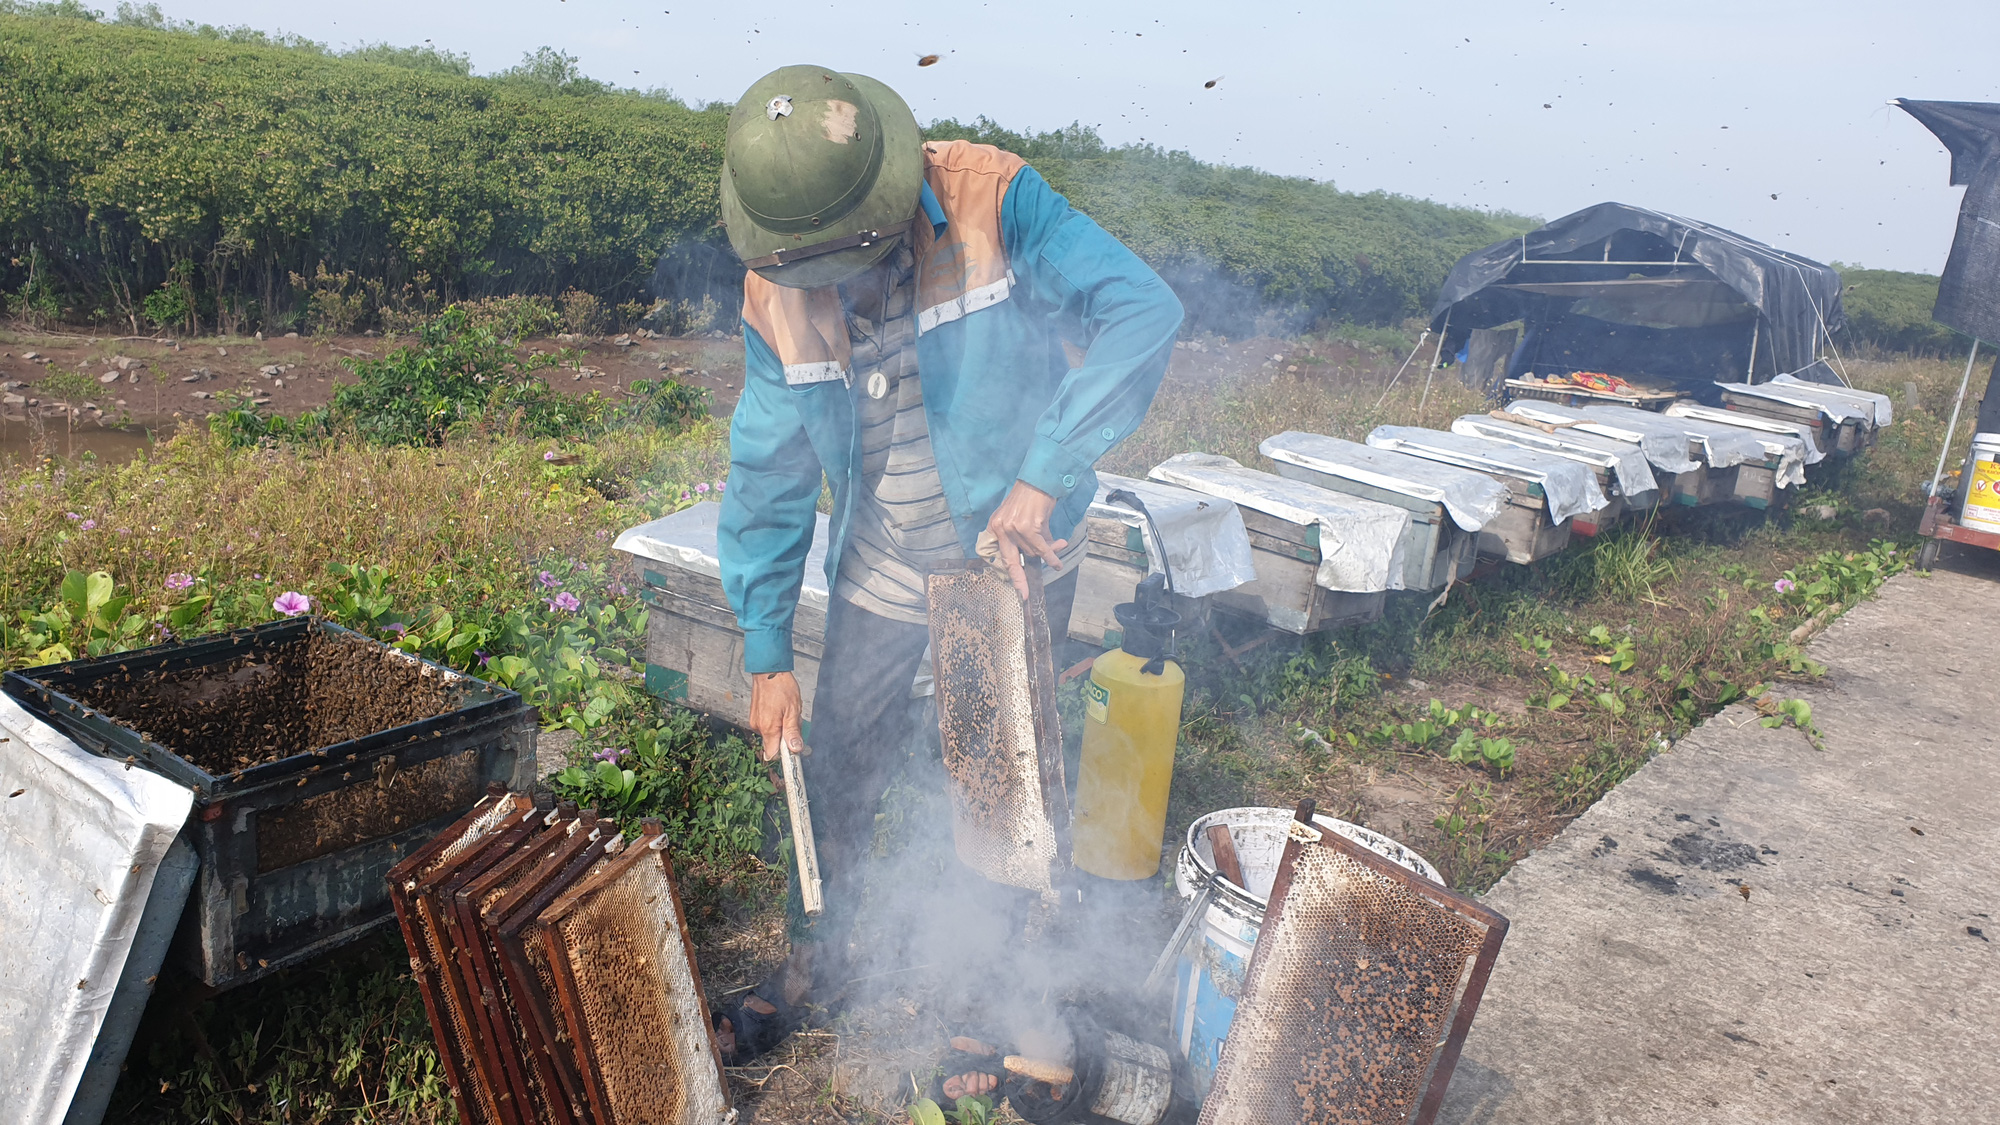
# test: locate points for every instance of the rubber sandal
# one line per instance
(757, 1032)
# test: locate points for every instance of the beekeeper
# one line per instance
(938, 338)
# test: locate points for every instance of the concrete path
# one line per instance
(1853, 983)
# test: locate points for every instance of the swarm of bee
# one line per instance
(275, 701)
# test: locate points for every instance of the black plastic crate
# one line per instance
(295, 845)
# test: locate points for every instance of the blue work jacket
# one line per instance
(1000, 397)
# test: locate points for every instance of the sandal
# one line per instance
(960, 1061)
(754, 1025)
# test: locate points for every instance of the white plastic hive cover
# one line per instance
(1206, 543)
(82, 840)
(1793, 452)
(1841, 404)
(1755, 423)
(1721, 446)
(686, 541)
(1360, 541)
(1470, 498)
(1570, 487)
(1624, 459)
(1664, 443)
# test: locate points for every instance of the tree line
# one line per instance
(163, 175)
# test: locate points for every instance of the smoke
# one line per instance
(937, 951)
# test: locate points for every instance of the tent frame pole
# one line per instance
(1756, 328)
(1951, 428)
(1437, 359)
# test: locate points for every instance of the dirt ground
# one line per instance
(148, 385)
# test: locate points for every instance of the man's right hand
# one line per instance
(775, 708)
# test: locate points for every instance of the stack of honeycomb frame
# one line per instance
(556, 970)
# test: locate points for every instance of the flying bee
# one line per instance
(929, 60)
(1210, 84)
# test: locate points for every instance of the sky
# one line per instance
(1766, 116)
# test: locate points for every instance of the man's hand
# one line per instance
(774, 713)
(1021, 525)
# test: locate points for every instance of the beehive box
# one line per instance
(694, 648)
(1448, 505)
(1113, 564)
(1545, 491)
(1622, 473)
(318, 757)
(1745, 466)
(1842, 420)
(1206, 544)
(1694, 465)
(1323, 559)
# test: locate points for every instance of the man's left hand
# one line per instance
(1021, 526)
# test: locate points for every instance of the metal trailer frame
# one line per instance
(1937, 525)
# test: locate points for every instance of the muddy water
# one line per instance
(27, 442)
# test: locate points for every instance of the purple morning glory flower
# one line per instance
(179, 581)
(398, 626)
(565, 601)
(549, 456)
(612, 754)
(702, 487)
(71, 516)
(291, 603)
(1784, 585)
(719, 485)
(483, 656)
(86, 525)
(618, 589)
(548, 581)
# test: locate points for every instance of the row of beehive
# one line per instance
(554, 963)
(1338, 527)
(1510, 485)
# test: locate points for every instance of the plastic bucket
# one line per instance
(1212, 967)
(1982, 484)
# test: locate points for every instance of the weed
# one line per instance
(1630, 562)
(1470, 861)
(710, 794)
(361, 1050)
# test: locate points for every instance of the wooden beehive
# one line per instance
(694, 648)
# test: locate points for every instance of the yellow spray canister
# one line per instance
(1132, 720)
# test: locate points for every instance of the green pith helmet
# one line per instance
(817, 161)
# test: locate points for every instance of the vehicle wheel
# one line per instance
(1927, 555)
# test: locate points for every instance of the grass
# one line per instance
(1585, 665)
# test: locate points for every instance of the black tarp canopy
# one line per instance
(1636, 292)
(1969, 291)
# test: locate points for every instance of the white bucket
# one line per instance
(1981, 486)
(1210, 974)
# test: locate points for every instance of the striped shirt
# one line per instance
(902, 525)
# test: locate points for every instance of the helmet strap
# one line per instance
(845, 242)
